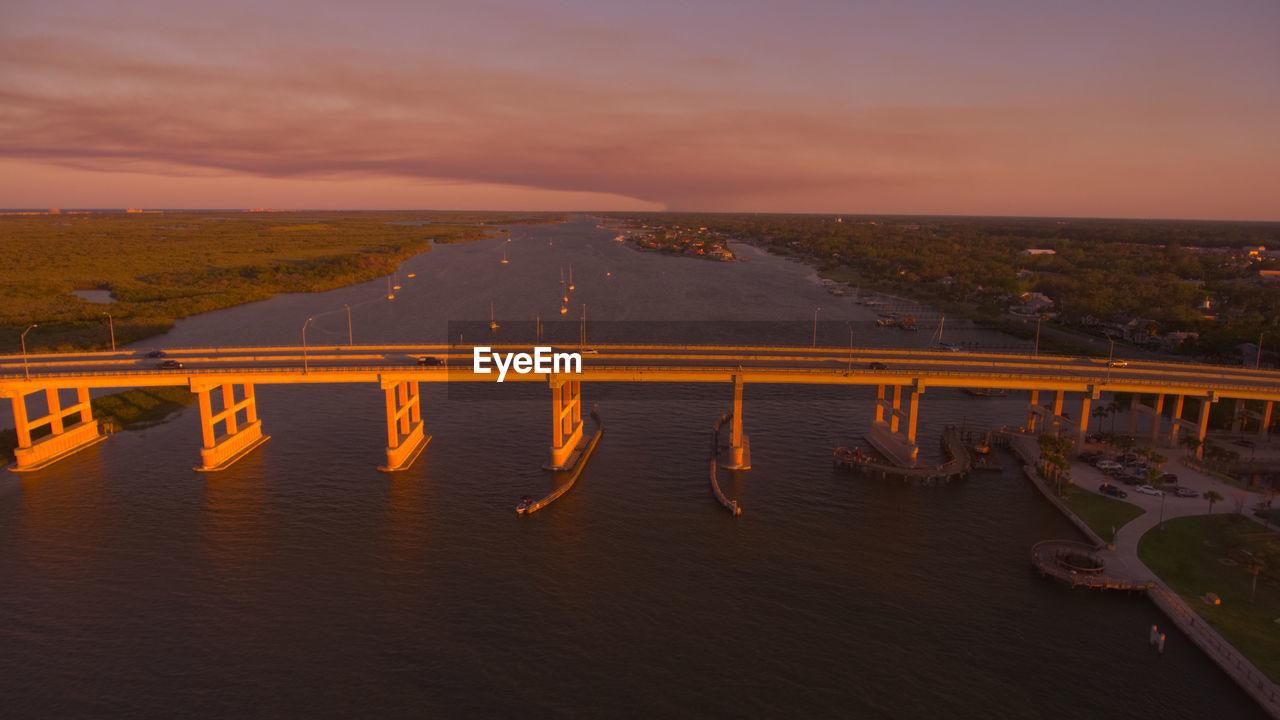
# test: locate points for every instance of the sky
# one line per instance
(1121, 108)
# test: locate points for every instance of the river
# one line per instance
(304, 582)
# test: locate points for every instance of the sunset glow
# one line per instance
(1144, 109)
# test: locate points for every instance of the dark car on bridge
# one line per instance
(170, 365)
(155, 354)
(878, 366)
(430, 361)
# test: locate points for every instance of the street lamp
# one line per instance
(1110, 355)
(815, 326)
(1038, 319)
(112, 327)
(349, 341)
(26, 370)
(1258, 362)
(304, 345)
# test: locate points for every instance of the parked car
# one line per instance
(1112, 490)
(430, 361)
(1169, 479)
(170, 365)
(155, 354)
(1185, 492)
(1148, 490)
(1105, 465)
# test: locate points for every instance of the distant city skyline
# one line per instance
(1094, 109)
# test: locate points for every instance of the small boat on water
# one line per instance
(492, 325)
(571, 277)
(504, 257)
(526, 502)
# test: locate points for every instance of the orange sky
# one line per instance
(1153, 109)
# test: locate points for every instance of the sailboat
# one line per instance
(938, 336)
(504, 257)
(390, 295)
(571, 277)
(492, 325)
(397, 281)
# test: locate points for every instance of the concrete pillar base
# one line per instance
(737, 457)
(402, 457)
(52, 448)
(227, 449)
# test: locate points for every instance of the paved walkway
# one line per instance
(1123, 561)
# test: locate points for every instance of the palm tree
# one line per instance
(1100, 412)
(1262, 560)
(1113, 409)
(1212, 496)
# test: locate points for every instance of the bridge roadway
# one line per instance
(900, 377)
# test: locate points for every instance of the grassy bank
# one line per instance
(164, 266)
(1099, 512)
(129, 410)
(1193, 555)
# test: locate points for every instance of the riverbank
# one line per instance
(153, 269)
(1126, 556)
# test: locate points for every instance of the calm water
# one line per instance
(305, 582)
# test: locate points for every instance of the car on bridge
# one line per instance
(1119, 363)
(155, 354)
(877, 366)
(170, 365)
(430, 361)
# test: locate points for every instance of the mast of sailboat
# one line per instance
(570, 276)
(492, 325)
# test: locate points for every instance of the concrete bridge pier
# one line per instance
(406, 434)
(893, 432)
(63, 440)
(1200, 426)
(220, 452)
(1138, 407)
(1049, 418)
(1243, 412)
(739, 456)
(566, 422)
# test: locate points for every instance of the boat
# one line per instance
(526, 502)
(390, 295)
(563, 309)
(492, 325)
(413, 275)
(571, 277)
(987, 392)
(504, 256)
(396, 277)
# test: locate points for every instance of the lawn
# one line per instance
(1100, 512)
(1191, 555)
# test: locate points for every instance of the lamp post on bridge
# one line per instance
(304, 345)
(23, 339)
(349, 341)
(111, 326)
(815, 326)
(1257, 364)
(1038, 319)
(850, 326)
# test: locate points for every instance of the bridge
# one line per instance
(224, 379)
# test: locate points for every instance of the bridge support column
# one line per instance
(1137, 408)
(1033, 412)
(1200, 426)
(1263, 432)
(1086, 403)
(219, 452)
(1238, 416)
(739, 444)
(566, 422)
(406, 433)
(893, 432)
(63, 439)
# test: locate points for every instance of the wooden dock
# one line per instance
(1059, 559)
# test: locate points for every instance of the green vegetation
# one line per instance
(163, 266)
(1218, 554)
(1099, 512)
(129, 410)
(136, 409)
(1102, 271)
